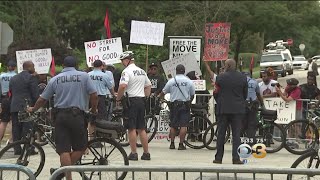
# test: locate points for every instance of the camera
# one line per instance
(275, 84)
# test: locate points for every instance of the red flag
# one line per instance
(106, 25)
(251, 64)
(52, 68)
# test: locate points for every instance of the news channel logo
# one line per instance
(257, 151)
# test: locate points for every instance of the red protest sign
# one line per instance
(217, 38)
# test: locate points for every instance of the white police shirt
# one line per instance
(136, 80)
(4, 81)
(186, 85)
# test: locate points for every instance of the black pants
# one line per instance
(250, 125)
(102, 108)
(224, 121)
(19, 129)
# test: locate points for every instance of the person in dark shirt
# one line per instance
(309, 91)
(116, 75)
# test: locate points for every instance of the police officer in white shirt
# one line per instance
(136, 84)
(182, 91)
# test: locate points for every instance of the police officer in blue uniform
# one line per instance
(5, 100)
(73, 89)
(182, 91)
(254, 99)
(136, 85)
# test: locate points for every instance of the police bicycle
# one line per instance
(100, 151)
(268, 133)
(303, 134)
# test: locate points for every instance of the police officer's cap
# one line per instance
(292, 81)
(180, 69)
(97, 63)
(153, 64)
(70, 61)
(127, 55)
(12, 63)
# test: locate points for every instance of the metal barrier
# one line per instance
(17, 170)
(162, 172)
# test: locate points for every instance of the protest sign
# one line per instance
(149, 33)
(180, 45)
(189, 61)
(106, 50)
(200, 85)
(286, 110)
(217, 38)
(41, 59)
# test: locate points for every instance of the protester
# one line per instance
(5, 100)
(70, 129)
(182, 91)
(268, 85)
(23, 86)
(136, 84)
(309, 91)
(233, 90)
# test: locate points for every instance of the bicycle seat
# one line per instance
(109, 128)
(269, 115)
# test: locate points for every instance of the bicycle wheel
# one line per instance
(123, 138)
(211, 134)
(308, 160)
(105, 151)
(301, 136)
(151, 128)
(31, 156)
(195, 131)
(272, 135)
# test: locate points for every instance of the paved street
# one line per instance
(161, 155)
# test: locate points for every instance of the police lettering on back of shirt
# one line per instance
(4, 81)
(186, 86)
(101, 81)
(253, 89)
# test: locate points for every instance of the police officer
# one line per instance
(136, 84)
(5, 101)
(73, 91)
(249, 123)
(104, 86)
(182, 91)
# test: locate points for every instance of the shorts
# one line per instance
(179, 116)
(70, 130)
(102, 107)
(5, 105)
(134, 116)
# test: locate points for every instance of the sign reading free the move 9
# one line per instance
(286, 110)
(41, 59)
(180, 45)
(106, 50)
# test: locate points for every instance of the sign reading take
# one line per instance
(41, 59)
(107, 50)
(216, 41)
(286, 110)
(148, 33)
(189, 61)
(184, 45)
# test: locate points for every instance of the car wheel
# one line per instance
(284, 73)
(290, 72)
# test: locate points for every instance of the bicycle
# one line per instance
(268, 132)
(108, 152)
(302, 134)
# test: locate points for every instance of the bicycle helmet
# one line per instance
(127, 55)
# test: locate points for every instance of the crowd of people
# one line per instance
(237, 97)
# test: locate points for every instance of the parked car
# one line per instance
(316, 59)
(300, 62)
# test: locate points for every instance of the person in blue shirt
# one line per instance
(5, 100)
(73, 91)
(182, 91)
(253, 100)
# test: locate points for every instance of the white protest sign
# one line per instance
(286, 110)
(41, 59)
(189, 61)
(149, 33)
(184, 45)
(200, 85)
(106, 50)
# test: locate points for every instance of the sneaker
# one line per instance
(172, 146)
(133, 156)
(217, 161)
(237, 161)
(145, 156)
(181, 147)
(52, 170)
